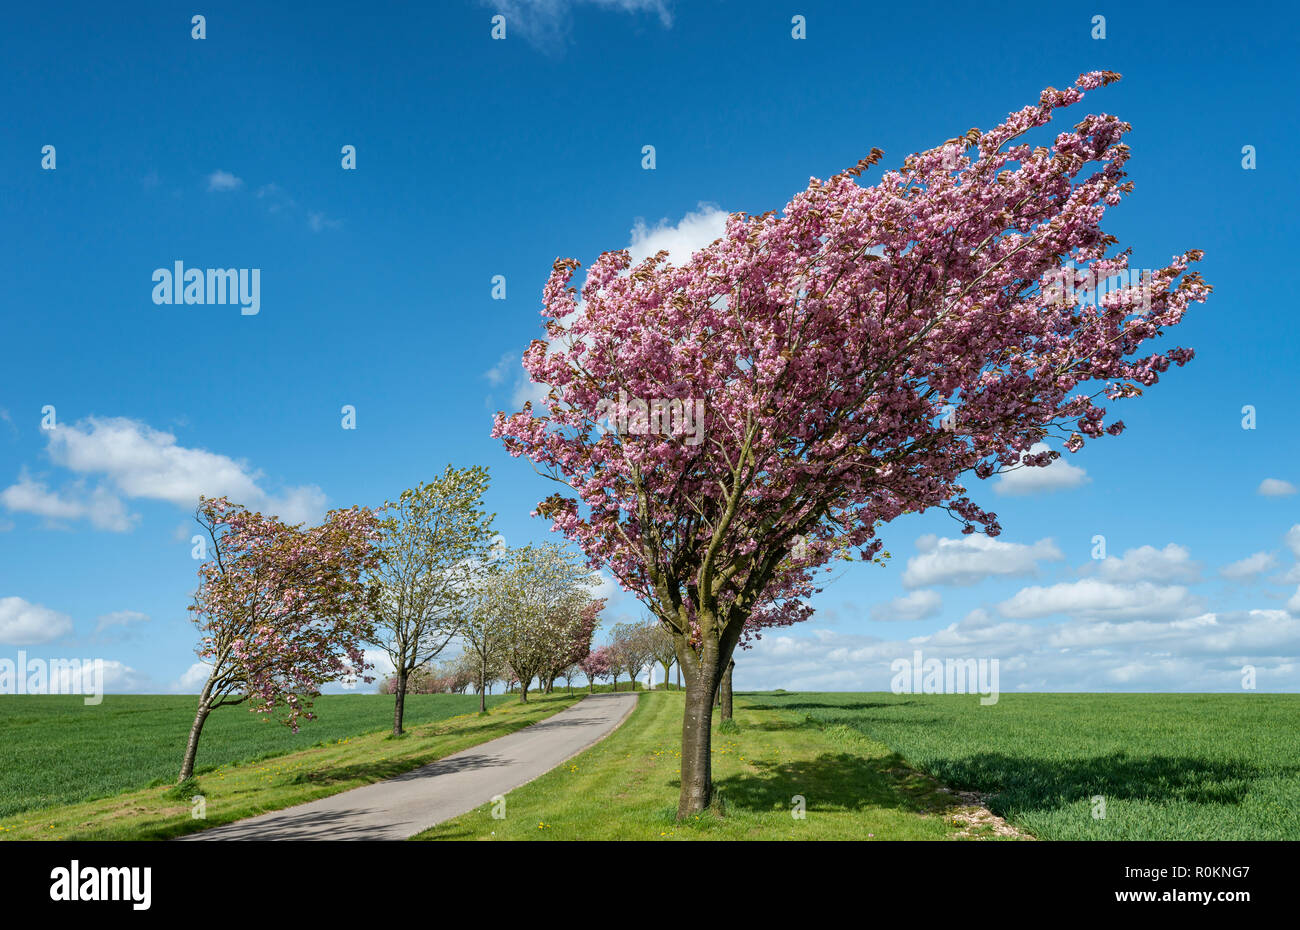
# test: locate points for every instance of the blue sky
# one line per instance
(478, 158)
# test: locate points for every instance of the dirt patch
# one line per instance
(973, 819)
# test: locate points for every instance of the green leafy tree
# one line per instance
(435, 538)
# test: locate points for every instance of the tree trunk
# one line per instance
(703, 671)
(724, 690)
(192, 747)
(399, 705)
(697, 743)
(523, 691)
(667, 666)
(615, 681)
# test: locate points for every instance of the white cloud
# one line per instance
(316, 221)
(1275, 487)
(1147, 563)
(1290, 576)
(25, 624)
(102, 507)
(1092, 598)
(224, 181)
(681, 240)
(193, 678)
(120, 678)
(144, 463)
(969, 559)
(919, 605)
(546, 23)
(1057, 476)
(1250, 566)
(120, 618)
(1292, 539)
(497, 374)
(1203, 652)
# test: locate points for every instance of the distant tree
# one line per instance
(662, 648)
(570, 672)
(484, 633)
(596, 664)
(435, 536)
(573, 642)
(281, 609)
(540, 595)
(632, 647)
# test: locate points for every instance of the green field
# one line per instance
(1169, 766)
(869, 766)
(57, 750)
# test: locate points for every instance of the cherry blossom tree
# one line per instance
(855, 358)
(595, 665)
(572, 642)
(281, 610)
(632, 648)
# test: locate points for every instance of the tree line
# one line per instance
(284, 609)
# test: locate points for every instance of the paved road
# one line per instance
(404, 806)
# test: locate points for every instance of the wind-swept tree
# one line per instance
(281, 610)
(436, 536)
(850, 360)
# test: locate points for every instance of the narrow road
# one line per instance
(408, 804)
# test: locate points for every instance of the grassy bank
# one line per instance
(242, 789)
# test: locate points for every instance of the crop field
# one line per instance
(54, 749)
(1093, 766)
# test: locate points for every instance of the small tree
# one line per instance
(631, 648)
(281, 610)
(434, 537)
(662, 648)
(596, 664)
(484, 633)
(570, 672)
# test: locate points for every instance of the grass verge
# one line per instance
(625, 787)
